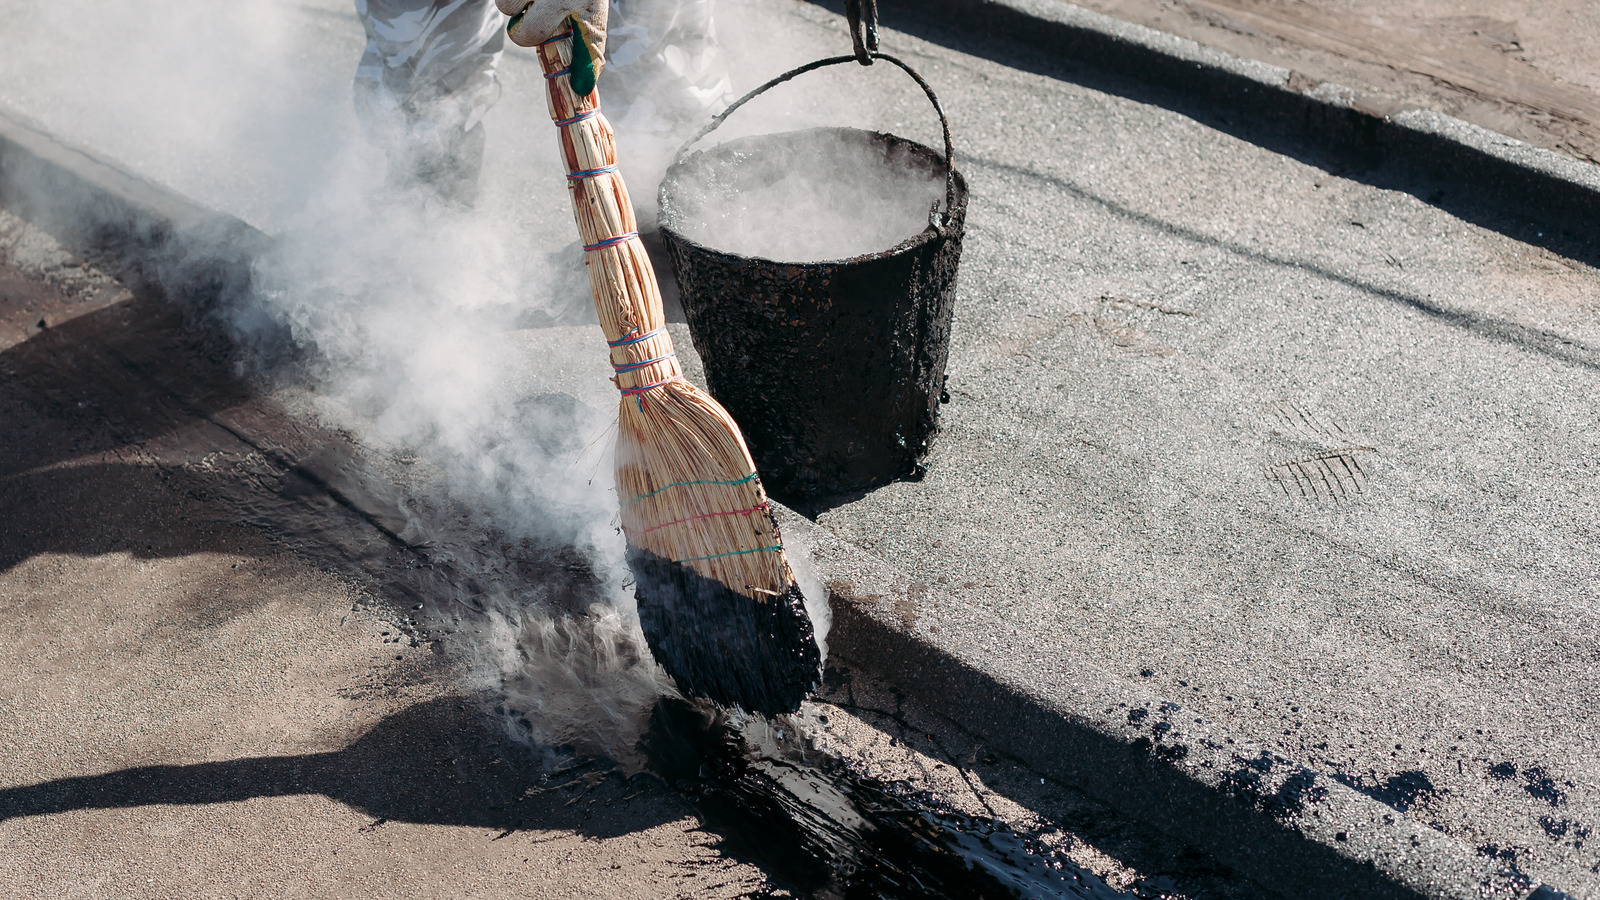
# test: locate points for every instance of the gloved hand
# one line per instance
(532, 22)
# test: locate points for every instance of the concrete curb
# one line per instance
(149, 237)
(1274, 821)
(1554, 191)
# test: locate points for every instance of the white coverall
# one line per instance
(428, 77)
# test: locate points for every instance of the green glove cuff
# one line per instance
(586, 63)
(584, 71)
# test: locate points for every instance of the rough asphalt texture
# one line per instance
(199, 708)
(1524, 68)
(1349, 127)
(1311, 453)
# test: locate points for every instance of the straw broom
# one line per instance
(719, 605)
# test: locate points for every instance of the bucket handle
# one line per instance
(935, 219)
(869, 41)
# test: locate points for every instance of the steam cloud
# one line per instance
(414, 314)
(828, 198)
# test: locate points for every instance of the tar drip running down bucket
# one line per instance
(821, 304)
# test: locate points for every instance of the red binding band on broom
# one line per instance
(719, 605)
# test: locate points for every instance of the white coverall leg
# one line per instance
(428, 77)
(663, 64)
(423, 85)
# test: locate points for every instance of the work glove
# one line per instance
(532, 22)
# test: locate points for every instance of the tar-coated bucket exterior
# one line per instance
(833, 370)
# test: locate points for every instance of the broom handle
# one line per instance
(627, 297)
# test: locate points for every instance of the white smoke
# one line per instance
(811, 197)
(802, 561)
(416, 315)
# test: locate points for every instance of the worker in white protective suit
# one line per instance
(428, 74)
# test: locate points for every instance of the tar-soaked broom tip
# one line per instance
(760, 655)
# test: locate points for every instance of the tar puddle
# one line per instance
(826, 830)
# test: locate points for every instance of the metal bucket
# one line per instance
(833, 370)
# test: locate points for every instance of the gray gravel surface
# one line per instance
(1310, 453)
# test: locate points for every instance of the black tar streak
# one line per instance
(719, 644)
(827, 831)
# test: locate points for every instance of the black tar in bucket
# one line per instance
(833, 369)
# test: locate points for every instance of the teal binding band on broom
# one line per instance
(771, 549)
(658, 490)
(718, 602)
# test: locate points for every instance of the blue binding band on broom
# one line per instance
(590, 173)
(636, 366)
(635, 338)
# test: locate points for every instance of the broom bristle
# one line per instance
(717, 600)
(719, 605)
